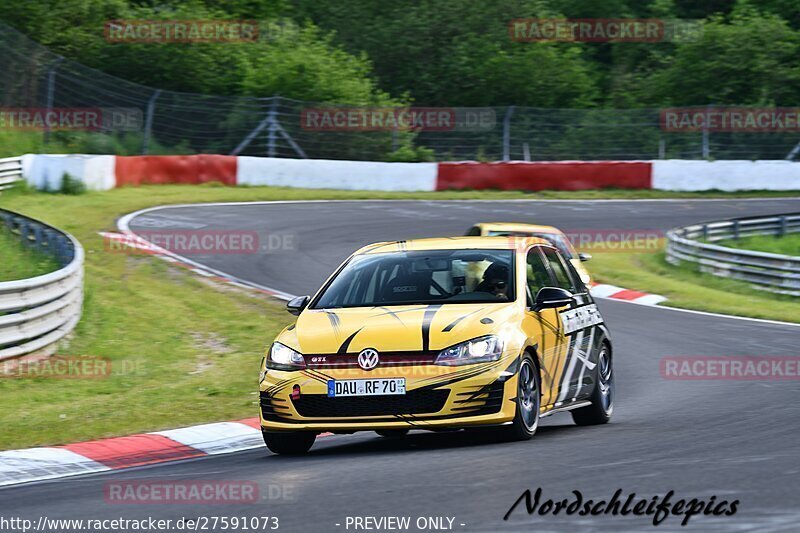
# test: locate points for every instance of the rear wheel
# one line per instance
(392, 433)
(603, 395)
(529, 400)
(296, 443)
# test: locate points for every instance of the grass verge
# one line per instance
(185, 351)
(786, 245)
(687, 288)
(19, 262)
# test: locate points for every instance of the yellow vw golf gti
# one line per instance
(438, 334)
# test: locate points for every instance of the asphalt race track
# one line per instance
(729, 439)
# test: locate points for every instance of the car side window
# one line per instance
(562, 278)
(575, 277)
(537, 274)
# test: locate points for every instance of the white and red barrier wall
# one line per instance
(102, 172)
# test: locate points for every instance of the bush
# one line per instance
(408, 153)
(71, 185)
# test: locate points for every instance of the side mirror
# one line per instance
(296, 305)
(584, 257)
(552, 297)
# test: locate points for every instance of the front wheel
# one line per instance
(529, 400)
(599, 412)
(296, 443)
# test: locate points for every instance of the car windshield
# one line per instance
(556, 239)
(422, 277)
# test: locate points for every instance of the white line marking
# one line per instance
(706, 313)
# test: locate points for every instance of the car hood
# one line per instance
(411, 328)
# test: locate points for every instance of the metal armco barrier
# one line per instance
(10, 171)
(772, 272)
(37, 312)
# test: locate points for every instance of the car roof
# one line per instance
(515, 226)
(453, 243)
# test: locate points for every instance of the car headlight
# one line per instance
(480, 350)
(282, 357)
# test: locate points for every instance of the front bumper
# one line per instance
(437, 397)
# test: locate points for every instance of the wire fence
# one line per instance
(31, 76)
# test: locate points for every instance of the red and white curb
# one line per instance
(35, 464)
(612, 292)
(116, 453)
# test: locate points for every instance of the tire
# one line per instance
(392, 433)
(602, 398)
(297, 443)
(529, 400)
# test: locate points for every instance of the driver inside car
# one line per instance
(495, 281)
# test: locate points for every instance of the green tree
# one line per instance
(750, 59)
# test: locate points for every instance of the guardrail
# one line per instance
(773, 272)
(10, 171)
(37, 312)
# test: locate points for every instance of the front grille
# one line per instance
(411, 403)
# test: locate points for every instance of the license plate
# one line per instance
(366, 387)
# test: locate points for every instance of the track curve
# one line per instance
(732, 439)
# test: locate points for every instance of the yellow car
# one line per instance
(438, 334)
(551, 234)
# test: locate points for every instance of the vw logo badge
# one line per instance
(368, 359)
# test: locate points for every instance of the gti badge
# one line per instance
(368, 359)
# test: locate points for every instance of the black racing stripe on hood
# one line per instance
(346, 344)
(455, 322)
(426, 325)
(334, 318)
(392, 313)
